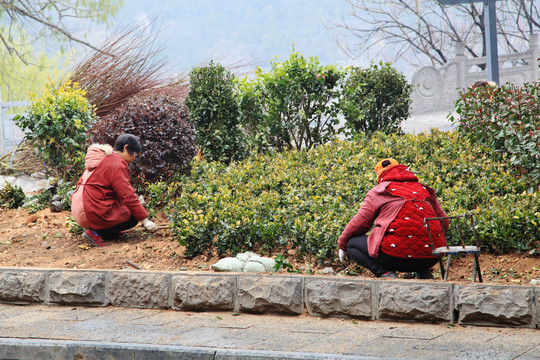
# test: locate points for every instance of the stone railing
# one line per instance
(437, 89)
(10, 134)
(408, 300)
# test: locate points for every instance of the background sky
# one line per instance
(249, 31)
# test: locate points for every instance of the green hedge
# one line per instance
(303, 200)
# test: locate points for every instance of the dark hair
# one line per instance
(130, 140)
(385, 163)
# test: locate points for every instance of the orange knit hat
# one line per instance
(380, 169)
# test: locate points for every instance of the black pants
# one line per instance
(358, 251)
(112, 232)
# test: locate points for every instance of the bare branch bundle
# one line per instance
(127, 63)
(23, 160)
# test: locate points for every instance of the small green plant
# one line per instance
(42, 200)
(58, 123)
(162, 193)
(11, 197)
(74, 228)
(282, 264)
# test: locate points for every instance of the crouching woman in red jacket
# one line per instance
(399, 241)
(104, 201)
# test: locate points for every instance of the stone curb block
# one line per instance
(495, 305)
(22, 286)
(139, 289)
(203, 292)
(78, 288)
(472, 304)
(414, 301)
(271, 294)
(338, 297)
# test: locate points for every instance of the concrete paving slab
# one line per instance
(37, 331)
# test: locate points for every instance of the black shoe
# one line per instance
(389, 275)
(426, 274)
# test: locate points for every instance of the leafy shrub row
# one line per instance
(303, 199)
(297, 104)
(507, 119)
(512, 222)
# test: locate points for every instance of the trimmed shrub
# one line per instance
(57, 123)
(376, 98)
(298, 99)
(302, 200)
(214, 111)
(164, 130)
(507, 119)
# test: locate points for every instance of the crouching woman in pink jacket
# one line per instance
(104, 201)
(393, 213)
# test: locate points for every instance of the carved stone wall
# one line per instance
(437, 89)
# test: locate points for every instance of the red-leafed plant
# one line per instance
(507, 119)
(166, 134)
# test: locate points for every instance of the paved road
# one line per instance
(419, 123)
(64, 332)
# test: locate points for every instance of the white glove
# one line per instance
(149, 225)
(141, 200)
(343, 257)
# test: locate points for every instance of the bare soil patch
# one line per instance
(44, 240)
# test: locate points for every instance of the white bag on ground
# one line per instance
(245, 262)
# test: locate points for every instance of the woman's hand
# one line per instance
(149, 225)
(343, 257)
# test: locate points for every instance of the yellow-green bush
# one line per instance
(303, 200)
(57, 123)
(511, 222)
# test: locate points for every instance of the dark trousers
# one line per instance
(113, 232)
(358, 251)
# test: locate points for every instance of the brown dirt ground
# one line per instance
(44, 240)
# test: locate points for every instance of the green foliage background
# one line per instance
(304, 199)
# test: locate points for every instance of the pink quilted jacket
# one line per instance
(397, 206)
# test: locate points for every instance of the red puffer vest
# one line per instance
(406, 236)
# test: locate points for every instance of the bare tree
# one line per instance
(418, 29)
(25, 22)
